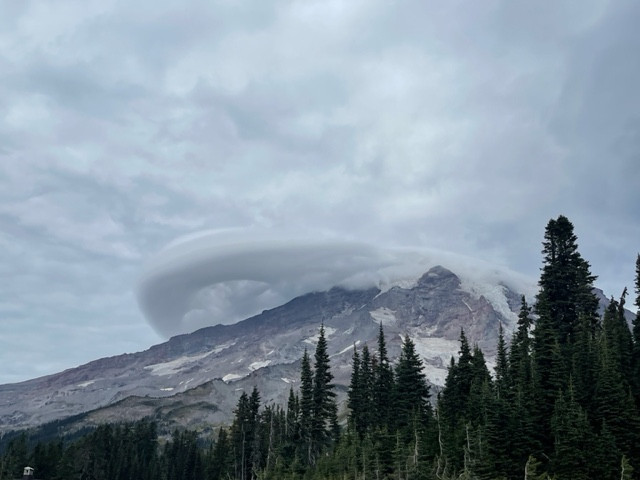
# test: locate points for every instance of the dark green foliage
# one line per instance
(219, 460)
(520, 353)
(15, 457)
(566, 284)
(306, 407)
(635, 362)
(572, 438)
(503, 376)
(383, 385)
(411, 389)
(367, 389)
(567, 314)
(182, 457)
(324, 414)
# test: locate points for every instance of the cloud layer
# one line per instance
(215, 277)
(448, 125)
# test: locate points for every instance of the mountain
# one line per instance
(196, 378)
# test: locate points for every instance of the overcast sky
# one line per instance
(451, 125)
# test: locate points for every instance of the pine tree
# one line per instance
(571, 439)
(636, 339)
(354, 396)
(292, 423)
(565, 302)
(605, 458)
(383, 385)
(324, 403)
(453, 408)
(618, 338)
(411, 389)
(612, 403)
(242, 437)
(367, 382)
(566, 284)
(520, 352)
(503, 376)
(306, 407)
(220, 464)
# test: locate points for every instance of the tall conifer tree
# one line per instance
(383, 391)
(412, 390)
(306, 407)
(324, 403)
(636, 339)
(565, 301)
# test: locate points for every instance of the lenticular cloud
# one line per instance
(215, 278)
(220, 278)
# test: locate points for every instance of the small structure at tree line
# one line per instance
(27, 473)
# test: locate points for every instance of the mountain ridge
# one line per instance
(265, 351)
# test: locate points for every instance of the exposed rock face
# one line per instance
(265, 351)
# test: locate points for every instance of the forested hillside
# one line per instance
(563, 402)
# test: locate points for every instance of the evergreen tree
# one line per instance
(503, 376)
(306, 406)
(244, 431)
(636, 339)
(323, 419)
(292, 426)
(520, 352)
(566, 284)
(453, 408)
(220, 465)
(584, 367)
(367, 383)
(605, 457)
(571, 439)
(618, 338)
(411, 389)
(613, 405)
(383, 385)
(565, 301)
(354, 400)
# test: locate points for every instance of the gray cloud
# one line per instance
(452, 126)
(222, 277)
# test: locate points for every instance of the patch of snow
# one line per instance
(167, 389)
(428, 331)
(287, 380)
(467, 305)
(494, 294)
(348, 331)
(383, 315)
(86, 384)
(345, 350)
(260, 364)
(436, 375)
(436, 350)
(328, 331)
(231, 376)
(174, 366)
(224, 346)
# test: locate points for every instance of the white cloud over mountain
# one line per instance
(224, 277)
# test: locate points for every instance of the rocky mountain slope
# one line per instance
(198, 377)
